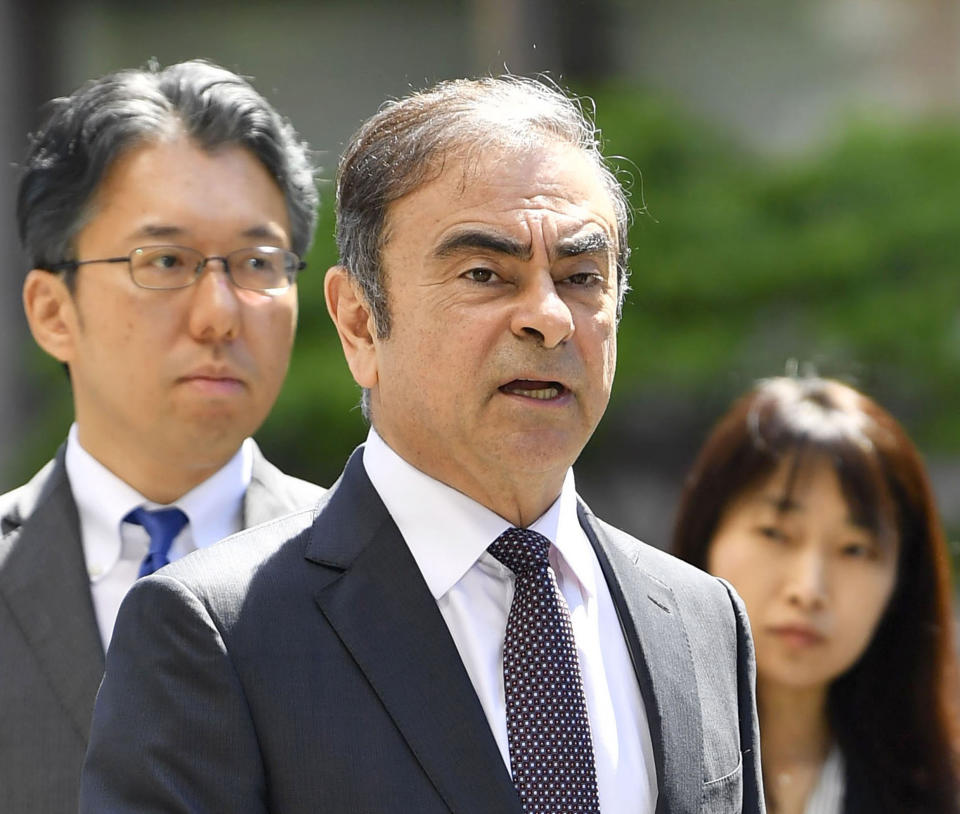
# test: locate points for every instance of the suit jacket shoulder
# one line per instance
(51, 656)
(273, 493)
(18, 504)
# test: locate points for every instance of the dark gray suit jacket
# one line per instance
(51, 656)
(305, 667)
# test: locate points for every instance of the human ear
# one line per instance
(51, 313)
(351, 315)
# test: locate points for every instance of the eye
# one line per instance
(480, 275)
(263, 265)
(161, 258)
(167, 261)
(583, 279)
(773, 533)
(857, 550)
(258, 267)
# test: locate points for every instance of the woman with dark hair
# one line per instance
(811, 499)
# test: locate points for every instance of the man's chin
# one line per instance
(539, 450)
(212, 429)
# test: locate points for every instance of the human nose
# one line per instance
(808, 582)
(542, 313)
(215, 308)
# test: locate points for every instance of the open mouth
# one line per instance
(542, 391)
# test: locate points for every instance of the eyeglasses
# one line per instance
(269, 269)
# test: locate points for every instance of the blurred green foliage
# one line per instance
(844, 258)
(317, 421)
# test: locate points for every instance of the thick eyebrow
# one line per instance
(472, 239)
(591, 243)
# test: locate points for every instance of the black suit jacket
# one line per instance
(305, 667)
(51, 656)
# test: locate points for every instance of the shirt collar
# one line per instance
(103, 500)
(447, 532)
(213, 507)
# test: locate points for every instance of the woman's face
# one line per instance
(814, 582)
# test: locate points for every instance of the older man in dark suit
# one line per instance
(451, 629)
(163, 212)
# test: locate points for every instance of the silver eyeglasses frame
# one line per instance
(194, 262)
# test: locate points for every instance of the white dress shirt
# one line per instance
(113, 550)
(448, 534)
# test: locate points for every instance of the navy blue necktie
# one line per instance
(162, 525)
(548, 731)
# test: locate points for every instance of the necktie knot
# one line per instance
(523, 551)
(162, 526)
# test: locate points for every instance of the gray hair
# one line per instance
(404, 145)
(85, 132)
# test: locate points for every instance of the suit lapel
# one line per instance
(373, 595)
(657, 641)
(43, 581)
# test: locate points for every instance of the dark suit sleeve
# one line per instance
(753, 801)
(171, 729)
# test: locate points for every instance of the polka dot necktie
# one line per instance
(548, 732)
(162, 525)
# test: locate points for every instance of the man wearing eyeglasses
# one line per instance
(164, 213)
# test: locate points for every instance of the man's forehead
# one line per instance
(158, 231)
(560, 160)
(166, 186)
(505, 185)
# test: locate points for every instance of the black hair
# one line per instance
(84, 133)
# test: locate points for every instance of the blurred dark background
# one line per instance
(795, 167)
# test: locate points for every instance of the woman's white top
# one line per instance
(827, 796)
